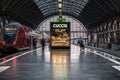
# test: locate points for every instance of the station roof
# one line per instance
(32, 12)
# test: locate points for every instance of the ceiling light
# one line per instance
(59, 5)
(60, 10)
(59, 0)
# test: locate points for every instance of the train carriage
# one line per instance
(14, 37)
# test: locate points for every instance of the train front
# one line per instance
(9, 37)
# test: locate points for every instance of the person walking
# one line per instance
(34, 43)
(81, 44)
(43, 44)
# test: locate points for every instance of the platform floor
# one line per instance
(58, 65)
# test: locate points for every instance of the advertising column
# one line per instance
(60, 35)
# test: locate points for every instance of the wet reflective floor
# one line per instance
(58, 64)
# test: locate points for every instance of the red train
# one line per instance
(14, 37)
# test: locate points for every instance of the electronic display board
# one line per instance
(60, 35)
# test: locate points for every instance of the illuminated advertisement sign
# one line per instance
(60, 35)
(10, 29)
(61, 19)
(60, 25)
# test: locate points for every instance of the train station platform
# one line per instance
(106, 52)
(109, 51)
(59, 64)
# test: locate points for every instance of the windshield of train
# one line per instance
(9, 33)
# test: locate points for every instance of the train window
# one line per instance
(9, 33)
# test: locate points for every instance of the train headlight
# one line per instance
(14, 42)
(3, 42)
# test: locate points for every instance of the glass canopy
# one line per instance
(77, 28)
(73, 7)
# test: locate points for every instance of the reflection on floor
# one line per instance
(60, 63)
(73, 64)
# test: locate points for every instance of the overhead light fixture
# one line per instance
(59, 1)
(59, 5)
(60, 10)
